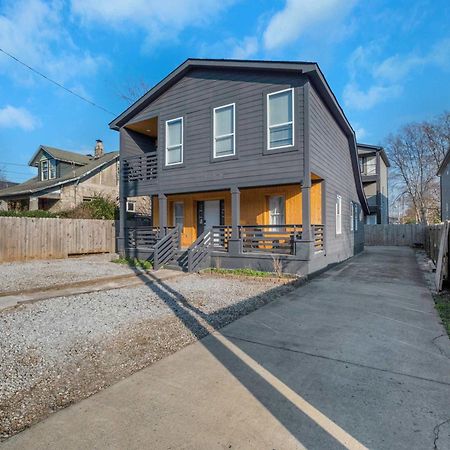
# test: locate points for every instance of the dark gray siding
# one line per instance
(445, 194)
(193, 98)
(330, 159)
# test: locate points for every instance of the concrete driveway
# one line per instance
(355, 358)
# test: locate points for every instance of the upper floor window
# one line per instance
(174, 141)
(280, 119)
(352, 216)
(338, 214)
(224, 131)
(48, 169)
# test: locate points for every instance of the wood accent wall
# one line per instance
(254, 207)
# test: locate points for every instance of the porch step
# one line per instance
(179, 261)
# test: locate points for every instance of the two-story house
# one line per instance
(374, 166)
(65, 179)
(247, 164)
(444, 184)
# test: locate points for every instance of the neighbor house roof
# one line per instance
(4, 184)
(376, 149)
(444, 163)
(35, 185)
(310, 69)
(61, 155)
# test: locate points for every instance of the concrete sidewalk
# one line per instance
(354, 358)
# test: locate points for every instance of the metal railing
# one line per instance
(199, 250)
(318, 233)
(270, 238)
(140, 168)
(166, 248)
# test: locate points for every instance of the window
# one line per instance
(48, 169)
(276, 208)
(131, 206)
(178, 214)
(356, 217)
(44, 169)
(52, 166)
(338, 214)
(174, 141)
(280, 119)
(352, 215)
(224, 134)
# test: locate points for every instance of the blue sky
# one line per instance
(387, 61)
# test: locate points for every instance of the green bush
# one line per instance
(98, 208)
(37, 213)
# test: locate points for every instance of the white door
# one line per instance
(212, 218)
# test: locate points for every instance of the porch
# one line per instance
(251, 223)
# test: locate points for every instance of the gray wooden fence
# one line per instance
(24, 238)
(393, 234)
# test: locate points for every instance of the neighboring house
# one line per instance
(374, 165)
(444, 175)
(254, 162)
(65, 179)
(3, 185)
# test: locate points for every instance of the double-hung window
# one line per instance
(52, 168)
(280, 119)
(174, 141)
(338, 214)
(44, 169)
(352, 216)
(224, 131)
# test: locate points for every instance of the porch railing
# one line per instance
(140, 168)
(270, 238)
(166, 248)
(141, 238)
(318, 233)
(199, 250)
(220, 237)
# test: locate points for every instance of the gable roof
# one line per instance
(4, 184)
(35, 185)
(310, 69)
(61, 155)
(444, 163)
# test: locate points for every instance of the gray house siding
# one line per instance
(445, 194)
(330, 159)
(193, 98)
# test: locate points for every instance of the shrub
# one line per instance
(37, 213)
(98, 208)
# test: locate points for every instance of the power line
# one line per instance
(13, 164)
(56, 83)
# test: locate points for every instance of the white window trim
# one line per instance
(182, 140)
(128, 206)
(338, 215)
(224, 135)
(279, 124)
(352, 216)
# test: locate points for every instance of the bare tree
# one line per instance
(132, 91)
(416, 152)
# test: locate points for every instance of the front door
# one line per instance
(210, 213)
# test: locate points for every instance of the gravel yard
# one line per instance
(43, 273)
(58, 351)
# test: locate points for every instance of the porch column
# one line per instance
(122, 224)
(162, 213)
(235, 243)
(304, 248)
(33, 204)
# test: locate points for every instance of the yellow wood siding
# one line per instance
(254, 207)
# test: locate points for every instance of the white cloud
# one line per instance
(300, 16)
(397, 67)
(35, 32)
(12, 117)
(160, 19)
(357, 98)
(360, 132)
(245, 49)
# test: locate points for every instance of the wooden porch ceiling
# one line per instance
(148, 127)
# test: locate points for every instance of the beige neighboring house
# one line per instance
(65, 179)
